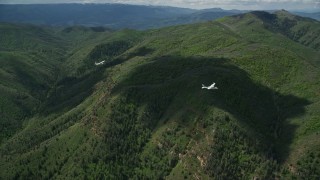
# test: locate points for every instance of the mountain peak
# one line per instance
(284, 13)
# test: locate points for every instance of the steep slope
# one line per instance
(144, 114)
(287, 75)
(299, 29)
(27, 72)
(33, 61)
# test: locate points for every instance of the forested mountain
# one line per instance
(143, 114)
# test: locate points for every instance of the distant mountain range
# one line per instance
(315, 15)
(115, 16)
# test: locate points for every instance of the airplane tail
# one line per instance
(203, 85)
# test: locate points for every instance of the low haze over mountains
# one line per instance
(142, 114)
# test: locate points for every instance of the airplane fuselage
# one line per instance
(99, 63)
(209, 87)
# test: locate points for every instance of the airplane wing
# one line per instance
(212, 85)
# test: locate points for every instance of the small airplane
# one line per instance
(209, 87)
(99, 63)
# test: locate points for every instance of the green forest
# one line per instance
(143, 114)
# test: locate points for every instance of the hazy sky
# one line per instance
(197, 4)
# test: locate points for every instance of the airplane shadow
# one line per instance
(173, 79)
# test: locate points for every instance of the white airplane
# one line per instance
(209, 87)
(99, 63)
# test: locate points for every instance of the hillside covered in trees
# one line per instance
(143, 114)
